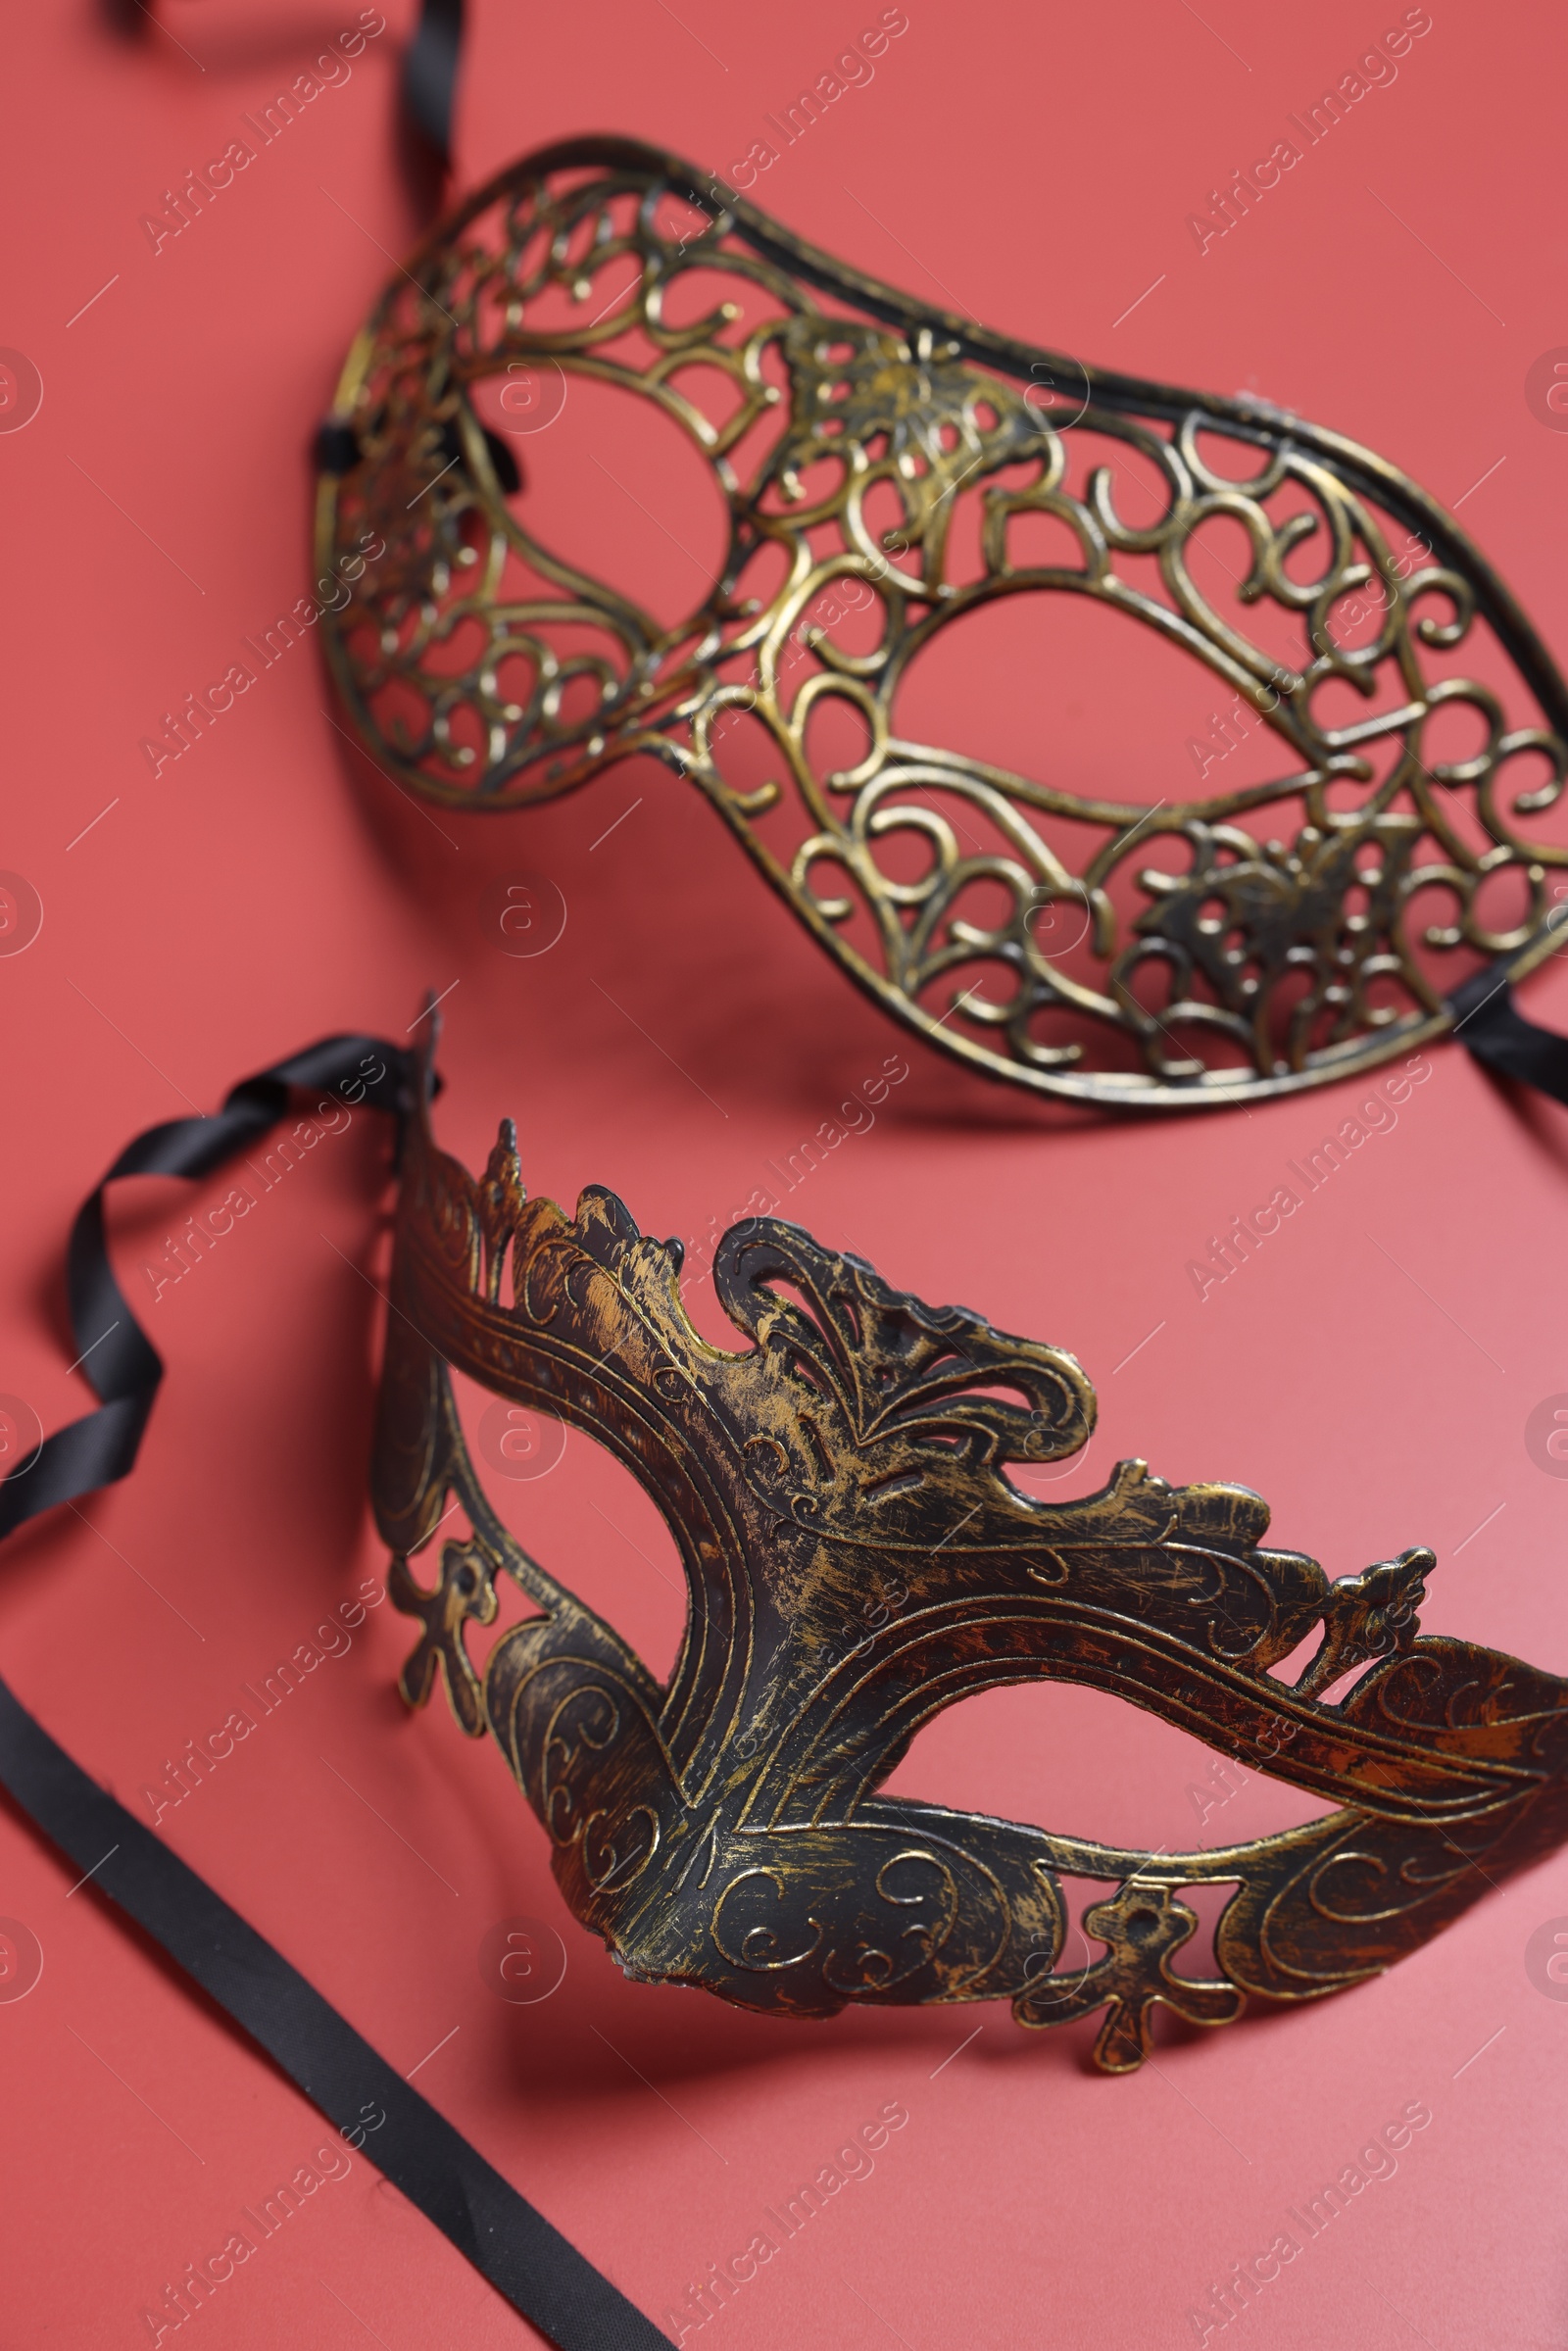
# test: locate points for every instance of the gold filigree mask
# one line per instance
(856, 1560)
(887, 470)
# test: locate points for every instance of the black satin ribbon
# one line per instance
(541, 2275)
(430, 72)
(119, 1360)
(1485, 1019)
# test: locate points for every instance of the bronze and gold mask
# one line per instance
(857, 1559)
(886, 469)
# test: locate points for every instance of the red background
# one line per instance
(1036, 167)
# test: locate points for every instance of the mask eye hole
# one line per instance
(618, 491)
(561, 1494)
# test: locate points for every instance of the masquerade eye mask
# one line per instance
(856, 1560)
(886, 471)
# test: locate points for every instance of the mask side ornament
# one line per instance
(884, 469)
(856, 1560)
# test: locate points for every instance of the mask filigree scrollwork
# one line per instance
(882, 466)
(731, 1827)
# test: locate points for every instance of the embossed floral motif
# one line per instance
(1371, 1615)
(1144, 1926)
(500, 1199)
(466, 1593)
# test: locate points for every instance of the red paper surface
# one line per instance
(1371, 1372)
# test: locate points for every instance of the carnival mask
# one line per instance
(885, 470)
(857, 1559)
